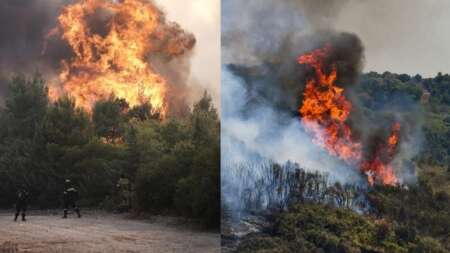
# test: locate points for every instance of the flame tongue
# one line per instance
(324, 113)
(113, 60)
(379, 165)
(325, 109)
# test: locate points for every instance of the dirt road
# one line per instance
(100, 232)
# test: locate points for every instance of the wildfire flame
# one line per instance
(324, 113)
(325, 107)
(115, 61)
(378, 166)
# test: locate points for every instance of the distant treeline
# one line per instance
(172, 163)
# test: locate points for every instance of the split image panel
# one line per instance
(224, 126)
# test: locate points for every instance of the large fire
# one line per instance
(324, 113)
(114, 60)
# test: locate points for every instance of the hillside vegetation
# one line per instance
(407, 219)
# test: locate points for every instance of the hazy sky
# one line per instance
(404, 36)
(201, 17)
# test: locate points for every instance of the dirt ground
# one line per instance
(101, 232)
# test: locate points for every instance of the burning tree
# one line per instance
(325, 112)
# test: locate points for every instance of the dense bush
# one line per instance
(403, 92)
(307, 228)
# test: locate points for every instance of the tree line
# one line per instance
(172, 163)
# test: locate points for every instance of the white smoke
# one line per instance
(261, 32)
(265, 134)
(250, 36)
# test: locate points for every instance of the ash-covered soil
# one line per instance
(102, 232)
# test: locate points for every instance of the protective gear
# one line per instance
(21, 203)
(70, 198)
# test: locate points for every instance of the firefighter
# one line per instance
(70, 198)
(21, 202)
(124, 192)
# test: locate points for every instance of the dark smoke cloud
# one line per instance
(279, 80)
(273, 43)
(259, 29)
(23, 25)
(262, 82)
(261, 43)
(347, 54)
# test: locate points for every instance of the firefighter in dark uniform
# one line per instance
(21, 203)
(70, 198)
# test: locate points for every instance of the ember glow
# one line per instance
(324, 113)
(111, 43)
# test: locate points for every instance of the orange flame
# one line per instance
(379, 166)
(116, 61)
(324, 113)
(325, 107)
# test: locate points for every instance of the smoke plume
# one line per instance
(23, 25)
(263, 85)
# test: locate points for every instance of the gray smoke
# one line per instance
(23, 26)
(263, 132)
(257, 30)
(261, 82)
(262, 86)
(404, 36)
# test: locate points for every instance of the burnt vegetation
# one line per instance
(307, 213)
(173, 164)
(280, 187)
